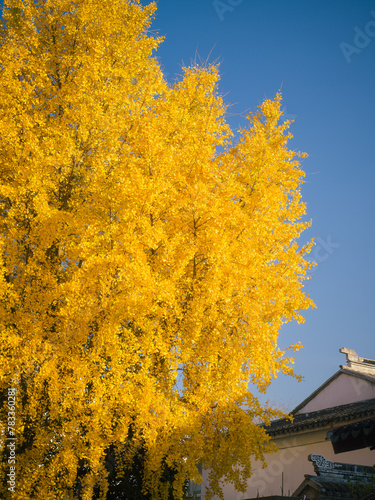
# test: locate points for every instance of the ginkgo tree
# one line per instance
(147, 262)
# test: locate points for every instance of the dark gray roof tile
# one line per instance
(323, 418)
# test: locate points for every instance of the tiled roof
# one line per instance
(323, 418)
(335, 480)
(353, 436)
(326, 489)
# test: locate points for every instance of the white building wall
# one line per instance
(290, 464)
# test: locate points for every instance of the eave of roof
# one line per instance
(353, 436)
(326, 488)
(322, 418)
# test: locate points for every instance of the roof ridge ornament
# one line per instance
(362, 365)
(323, 467)
(351, 355)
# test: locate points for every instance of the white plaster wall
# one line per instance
(291, 460)
(342, 390)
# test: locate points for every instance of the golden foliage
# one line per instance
(147, 264)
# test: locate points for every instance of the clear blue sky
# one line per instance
(321, 54)
(315, 53)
